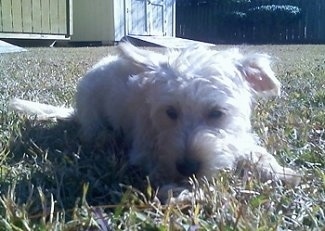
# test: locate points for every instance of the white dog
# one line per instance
(184, 113)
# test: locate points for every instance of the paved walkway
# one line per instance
(163, 41)
(8, 48)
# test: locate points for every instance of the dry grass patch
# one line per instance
(49, 181)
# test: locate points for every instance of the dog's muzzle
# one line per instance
(188, 167)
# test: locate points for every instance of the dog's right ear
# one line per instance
(145, 59)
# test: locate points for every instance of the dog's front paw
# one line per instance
(174, 194)
(270, 169)
(288, 176)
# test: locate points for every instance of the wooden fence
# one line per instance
(206, 21)
(34, 18)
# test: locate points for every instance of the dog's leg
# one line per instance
(90, 128)
(269, 168)
(142, 147)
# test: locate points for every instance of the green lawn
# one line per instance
(49, 181)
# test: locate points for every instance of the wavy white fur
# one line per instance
(183, 112)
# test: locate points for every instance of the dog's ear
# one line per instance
(144, 59)
(258, 73)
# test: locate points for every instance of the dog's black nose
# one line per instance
(187, 166)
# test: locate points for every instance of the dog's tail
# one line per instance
(41, 111)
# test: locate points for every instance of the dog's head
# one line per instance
(198, 104)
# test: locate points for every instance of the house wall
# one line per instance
(93, 20)
(119, 19)
(171, 16)
(84, 20)
(154, 17)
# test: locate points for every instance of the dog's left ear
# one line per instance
(144, 59)
(257, 71)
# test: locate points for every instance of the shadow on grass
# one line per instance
(50, 156)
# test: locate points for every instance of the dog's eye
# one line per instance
(172, 113)
(216, 114)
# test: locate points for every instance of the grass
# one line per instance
(49, 181)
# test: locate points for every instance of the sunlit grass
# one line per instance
(50, 181)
